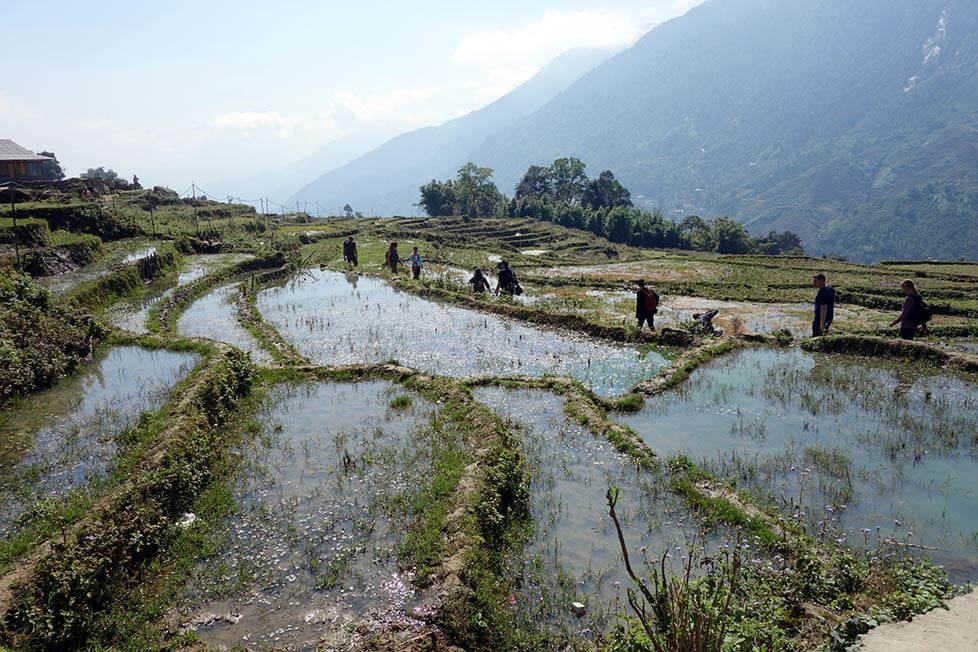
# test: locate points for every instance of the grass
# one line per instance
(471, 506)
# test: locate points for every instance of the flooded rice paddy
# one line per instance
(859, 450)
(311, 548)
(131, 314)
(335, 318)
(573, 554)
(214, 316)
(66, 437)
(124, 255)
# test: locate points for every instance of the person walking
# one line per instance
(350, 251)
(507, 279)
(910, 317)
(479, 282)
(646, 305)
(416, 263)
(391, 258)
(824, 305)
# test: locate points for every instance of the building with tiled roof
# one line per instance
(20, 164)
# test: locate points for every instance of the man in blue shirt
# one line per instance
(824, 305)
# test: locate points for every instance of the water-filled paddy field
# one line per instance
(61, 283)
(573, 554)
(856, 449)
(335, 318)
(312, 545)
(131, 314)
(66, 437)
(214, 316)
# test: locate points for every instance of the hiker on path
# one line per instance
(507, 279)
(350, 251)
(910, 317)
(391, 258)
(824, 305)
(416, 263)
(479, 282)
(646, 305)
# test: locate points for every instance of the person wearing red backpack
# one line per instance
(646, 305)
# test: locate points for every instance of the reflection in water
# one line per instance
(332, 323)
(312, 546)
(573, 554)
(66, 437)
(351, 278)
(857, 449)
(131, 313)
(214, 316)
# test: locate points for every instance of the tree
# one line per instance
(605, 192)
(437, 198)
(730, 237)
(568, 180)
(536, 183)
(348, 210)
(99, 173)
(475, 193)
(52, 169)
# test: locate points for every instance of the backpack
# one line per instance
(651, 301)
(922, 312)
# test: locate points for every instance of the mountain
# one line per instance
(386, 180)
(854, 124)
(276, 185)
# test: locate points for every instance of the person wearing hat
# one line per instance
(646, 305)
(824, 305)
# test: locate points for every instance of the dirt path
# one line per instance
(954, 629)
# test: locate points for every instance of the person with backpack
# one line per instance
(914, 313)
(646, 305)
(507, 280)
(391, 258)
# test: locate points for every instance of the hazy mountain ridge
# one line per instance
(386, 180)
(783, 115)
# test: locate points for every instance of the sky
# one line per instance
(178, 91)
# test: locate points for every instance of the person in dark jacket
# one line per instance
(909, 317)
(507, 279)
(824, 305)
(478, 281)
(392, 258)
(350, 251)
(646, 305)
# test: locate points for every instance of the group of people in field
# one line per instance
(913, 316)
(506, 280)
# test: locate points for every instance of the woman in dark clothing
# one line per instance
(908, 318)
(646, 305)
(479, 282)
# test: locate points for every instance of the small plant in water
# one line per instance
(683, 613)
(401, 402)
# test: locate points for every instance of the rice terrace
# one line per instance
(220, 435)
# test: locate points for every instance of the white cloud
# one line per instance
(251, 122)
(347, 111)
(536, 43)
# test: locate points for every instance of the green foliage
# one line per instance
(471, 194)
(39, 341)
